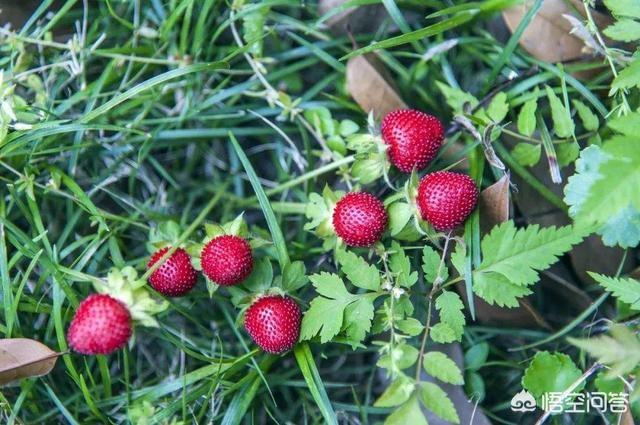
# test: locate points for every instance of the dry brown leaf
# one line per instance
(354, 20)
(371, 86)
(24, 358)
(494, 204)
(548, 36)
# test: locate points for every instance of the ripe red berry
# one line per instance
(413, 138)
(176, 276)
(101, 325)
(227, 260)
(446, 199)
(273, 322)
(359, 218)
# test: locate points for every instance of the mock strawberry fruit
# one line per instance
(359, 219)
(227, 260)
(101, 325)
(413, 138)
(273, 322)
(445, 199)
(176, 276)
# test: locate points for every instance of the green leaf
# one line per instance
(261, 276)
(399, 215)
(397, 393)
(527, 117)
(330, 285)
(400, 265)
(430, 264)
(628, 125)
(401, 357)
(358, 271)
(589, 120)
(314, 382)
(630, 8)
(367, 168)
(627, 78)
(420, 34)
(441, 367)
(626, 290)
(527, 154)
(518, 254)
(294, 276)
(618, 182)
(347, 128)
(495, 288)
(550, 372)
(357, 318)
(626, 30)
(457, 98)
(410, 326)
(443, 333)
(408, 413)
(253, 29)
(562, 122)
(436, 400)
(622, 228)
(498, 108)
(476, 356)
(567, 152)
(450, 307)
(324, 316)
(620, 351)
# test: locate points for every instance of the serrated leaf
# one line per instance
(527, 154)
(400, 265)
(618, 182)
(562, 122)
(442, 333)
(630, 8)
(626, 290)
(627, 124)
(622, 228)
(550, 372)
(627, 78)
(329, 285)
(495, 288)
(527, 117)
(441, 367)
(589, 120)
(620, 350)
(626, 30)
(498, 108)
(408, 413)
(430, 265)
(397, 393)
(410, 326)
(435, 399)
(357, 318)
(358, 271)
(401, 357)
(450, 307)
(324, 316)
(457, 99)
(518, 254)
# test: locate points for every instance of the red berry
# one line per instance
(176, 276)
(359, 218)
(273, 322)
(446, 199)
(227, 260)
(413, 138)
(101, 325)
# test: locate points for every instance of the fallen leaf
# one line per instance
(371, 86)
(24, 358)
(494, 204)
(549, 36)
(354, 20)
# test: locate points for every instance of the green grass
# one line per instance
(152, 112)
